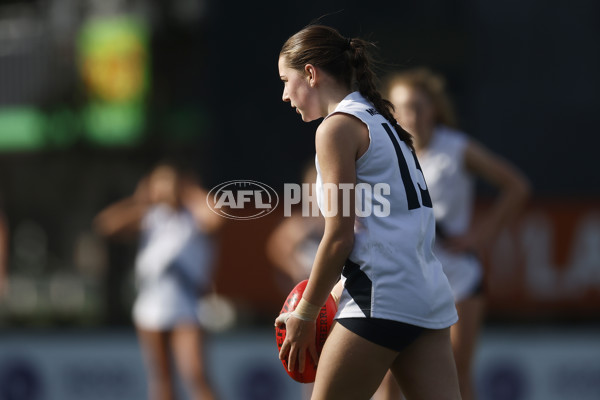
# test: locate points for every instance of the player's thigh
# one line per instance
(155, 348)
(465, 332)
(388, 389)
(188, 349)
(426, 369)
(350, 367)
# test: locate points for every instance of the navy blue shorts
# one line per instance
(384, 332)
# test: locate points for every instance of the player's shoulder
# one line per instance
(341, 124)
(341, 133)
(449, 133)
(447, 137)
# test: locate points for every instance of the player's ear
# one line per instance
(311, 74)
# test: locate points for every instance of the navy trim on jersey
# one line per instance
(359, 286)
(411, 192)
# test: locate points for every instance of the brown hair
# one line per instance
(430, 83)
(347, 59)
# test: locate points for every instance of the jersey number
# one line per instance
(409, 186)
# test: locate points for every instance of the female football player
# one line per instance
(396, 307)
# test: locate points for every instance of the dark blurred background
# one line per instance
(94, 92)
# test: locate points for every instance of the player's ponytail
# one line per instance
(346, 59)
(366, 81)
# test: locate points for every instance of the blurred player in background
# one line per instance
(451, 161)
(174, 267)
(396, 306)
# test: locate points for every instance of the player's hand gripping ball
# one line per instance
(323, 322)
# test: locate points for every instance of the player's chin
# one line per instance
(307, 118)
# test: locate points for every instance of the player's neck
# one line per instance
(334, 97)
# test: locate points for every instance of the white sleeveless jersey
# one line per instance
(451, 188)
(173, 266)
(450, 184)
(392, 272)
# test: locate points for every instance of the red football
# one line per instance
(324, 322)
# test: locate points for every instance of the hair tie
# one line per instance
(348, 44)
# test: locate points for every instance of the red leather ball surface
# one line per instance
(324, 321)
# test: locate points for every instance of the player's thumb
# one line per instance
(282, 319)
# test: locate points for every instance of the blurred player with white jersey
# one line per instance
(173, 268)
(451, 161)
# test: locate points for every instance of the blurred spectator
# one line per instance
(174, 267)
(451, 161)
